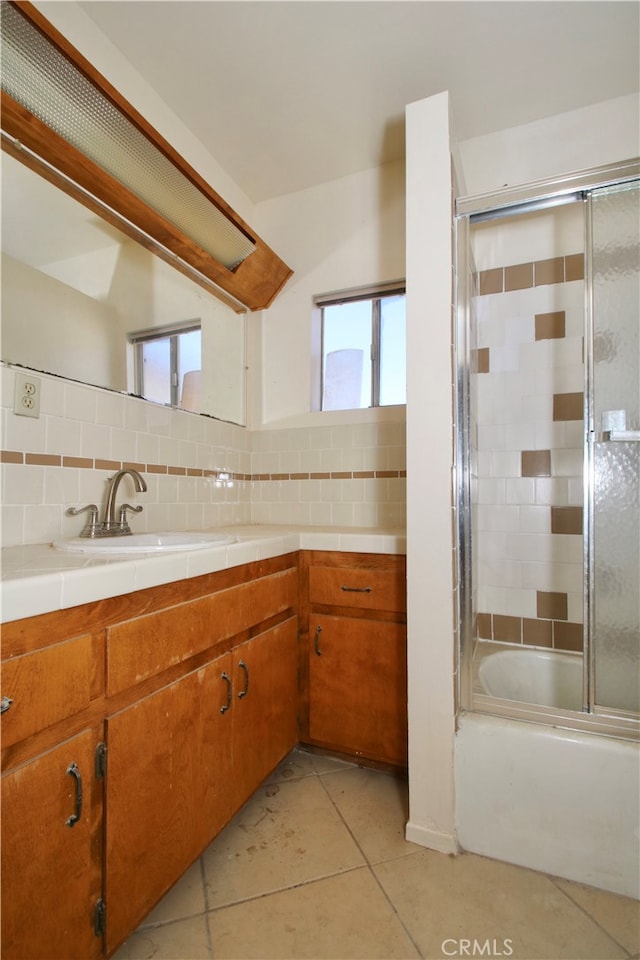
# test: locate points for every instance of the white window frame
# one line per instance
(375, 293)
(171, 332)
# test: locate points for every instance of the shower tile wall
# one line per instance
(200, 472)
(527, 404)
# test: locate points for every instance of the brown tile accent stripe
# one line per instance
(550, 326)
(480, 360)
(87, 463)
(520, 276)
(535, 463)
(556, 634)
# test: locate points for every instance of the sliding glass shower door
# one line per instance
(613, 584)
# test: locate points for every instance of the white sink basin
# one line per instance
(143, 543)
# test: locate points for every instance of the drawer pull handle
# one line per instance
(5, 703)
(225, 676)
(73, 770)
(356, 589)
(242, 665)
(316, 643)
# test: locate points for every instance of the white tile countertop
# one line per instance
(36, 578)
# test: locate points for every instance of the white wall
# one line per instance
(602, 133)
(429, 476)
(338, 235)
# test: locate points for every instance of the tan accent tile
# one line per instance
(566, 520)
(130, 465)
(549, 271)
(177, 471)
(156, 468)
(568, 406)
(550, 326)
(537, 633)
(483, 626)
(322, 476)
(43, 459)
(535, 463)
(567, 636)
(574, 267)
(618, 916)
(341, 475)
(518, 277)
(480, 360)
(362, 474)
(299, 476)
(440, 898)
(11, 456)
(491, 281)
(507, 629)
(84, 463)
(193, 472)
(551, 606)
(384, 474)
(107, 465)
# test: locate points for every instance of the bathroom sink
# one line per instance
(143, 543)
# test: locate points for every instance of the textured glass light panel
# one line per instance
(616, 546)
(38, 76)
(393, 351)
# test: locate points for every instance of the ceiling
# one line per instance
(286, 95)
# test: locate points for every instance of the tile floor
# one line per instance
(315, 865)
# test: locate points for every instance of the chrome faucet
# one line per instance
(110, 527)
(120, 527)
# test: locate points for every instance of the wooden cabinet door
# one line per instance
(358, 687)
(264, 705)
(167, 789)
(50, 882)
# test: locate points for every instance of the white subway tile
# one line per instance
(63, 437)
(534, 519)
(80, 402)
(42, 523)
(25, 433)
(95, 440)
(110, 409)
(12, 524)
(22, 483)
(551, 490)
(567, 463)
(505, 463)
(520, 491)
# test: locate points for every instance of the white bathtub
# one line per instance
(544, 677)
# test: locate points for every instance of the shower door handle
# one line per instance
(620, 436)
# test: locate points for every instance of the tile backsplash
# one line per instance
(200, 472)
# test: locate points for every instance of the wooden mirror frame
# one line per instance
(254, 283)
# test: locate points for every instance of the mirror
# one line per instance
(75, 288)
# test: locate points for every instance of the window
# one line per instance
(363, 348)
(167, 364)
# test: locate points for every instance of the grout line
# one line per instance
(554, 881)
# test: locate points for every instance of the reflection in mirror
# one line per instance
(76, 291)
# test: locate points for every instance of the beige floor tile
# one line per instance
(185, 898)
(182, 940)
(375, 807)
(295, 765)
(442, 898)
(288, 833)
(341, 917)
(619, 916)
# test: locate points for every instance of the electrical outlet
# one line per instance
(27, 396)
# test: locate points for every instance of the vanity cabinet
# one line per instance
(190, 692)
(50, 872)
(355, 660)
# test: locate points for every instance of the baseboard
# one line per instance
(442, 842)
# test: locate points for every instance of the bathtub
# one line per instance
(544, 677)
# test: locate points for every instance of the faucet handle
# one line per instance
(92, 528)
(123, 526)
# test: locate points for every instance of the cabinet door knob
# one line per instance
(74, 771)
(356, 589)
(242, 665)
(5, 703)
(316, 641)
(225, 676)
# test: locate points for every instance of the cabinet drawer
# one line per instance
(146, 646)
(362, 588)
(45, 687)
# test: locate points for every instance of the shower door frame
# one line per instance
(504, 203)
